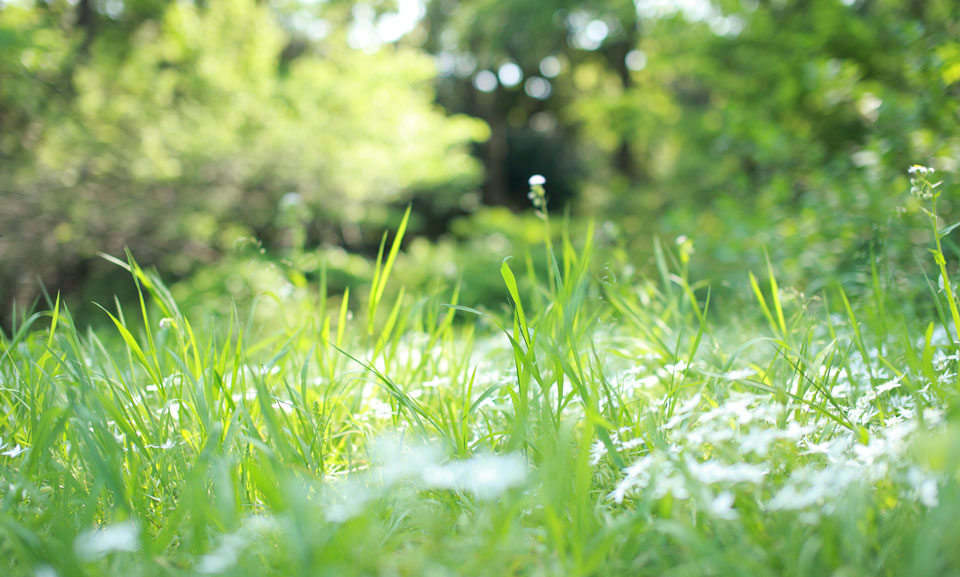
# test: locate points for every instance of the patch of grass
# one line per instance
(592, 426)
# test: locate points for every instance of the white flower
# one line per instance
(231, 546)
(167, 445)
(932, 415)
(889, 386)
(758, 441)
(45, 571)
(485, 476)
(597, 452)
(924, 486)
(721, 507)
(224, 556)
(674, 484)
(716, 472)
(436, 382)
(738, 374)
(679, 367)
(14, 452)
(290, 200)
(928, 493)
(98, 543)
(537, 180)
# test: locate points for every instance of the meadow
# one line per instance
(600, 422)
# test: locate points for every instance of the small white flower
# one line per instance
(14, 452)
(224, 556)
(436, 382)
(537, 180)
(632, 444)
(597, 452)
(932, 415)
(713, 471)
(290, 200)
(98, 543)
(485, 476)
(889, 386)
(738, 374)
(721, 507)
(679, 367)
(928, 493)
(167, 445)
(45, 571)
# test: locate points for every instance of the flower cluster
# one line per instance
(723, 451)
(920, 185)
(537, 194)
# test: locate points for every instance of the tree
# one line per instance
(186, 131)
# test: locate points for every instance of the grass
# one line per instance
(595, 425)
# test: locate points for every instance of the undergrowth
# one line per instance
(595, 426)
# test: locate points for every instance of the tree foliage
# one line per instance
(177, 129)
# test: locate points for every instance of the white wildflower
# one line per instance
(537, 180)
(597, 452)
(721, 507)
(167, 445)
(928, 493)
(738, 374)
(172, 380)
(637, 476)
(224, 556)
(758, 441)
(677, 367)
(632, 444)
(869, 453)
(932, 416)
(672, 483)
(436, 382)
(485, 476)
(812, 487)
(231, 546)
(713, 471)
(14, 452)
(45, 571)
(649, 381)
(889, 386)
(98, 543)
(925, 489)
(816, 448)
(378, 409)
(173, 409)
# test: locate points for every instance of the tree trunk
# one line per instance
(87, 20)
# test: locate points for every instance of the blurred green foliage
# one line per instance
(743, 124)
(179, 129)
(190, 131)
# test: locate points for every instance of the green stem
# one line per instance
(942, 261)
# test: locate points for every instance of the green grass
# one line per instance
(597, 424)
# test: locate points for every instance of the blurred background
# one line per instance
(243, 146)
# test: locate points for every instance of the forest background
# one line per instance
(244, 146)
